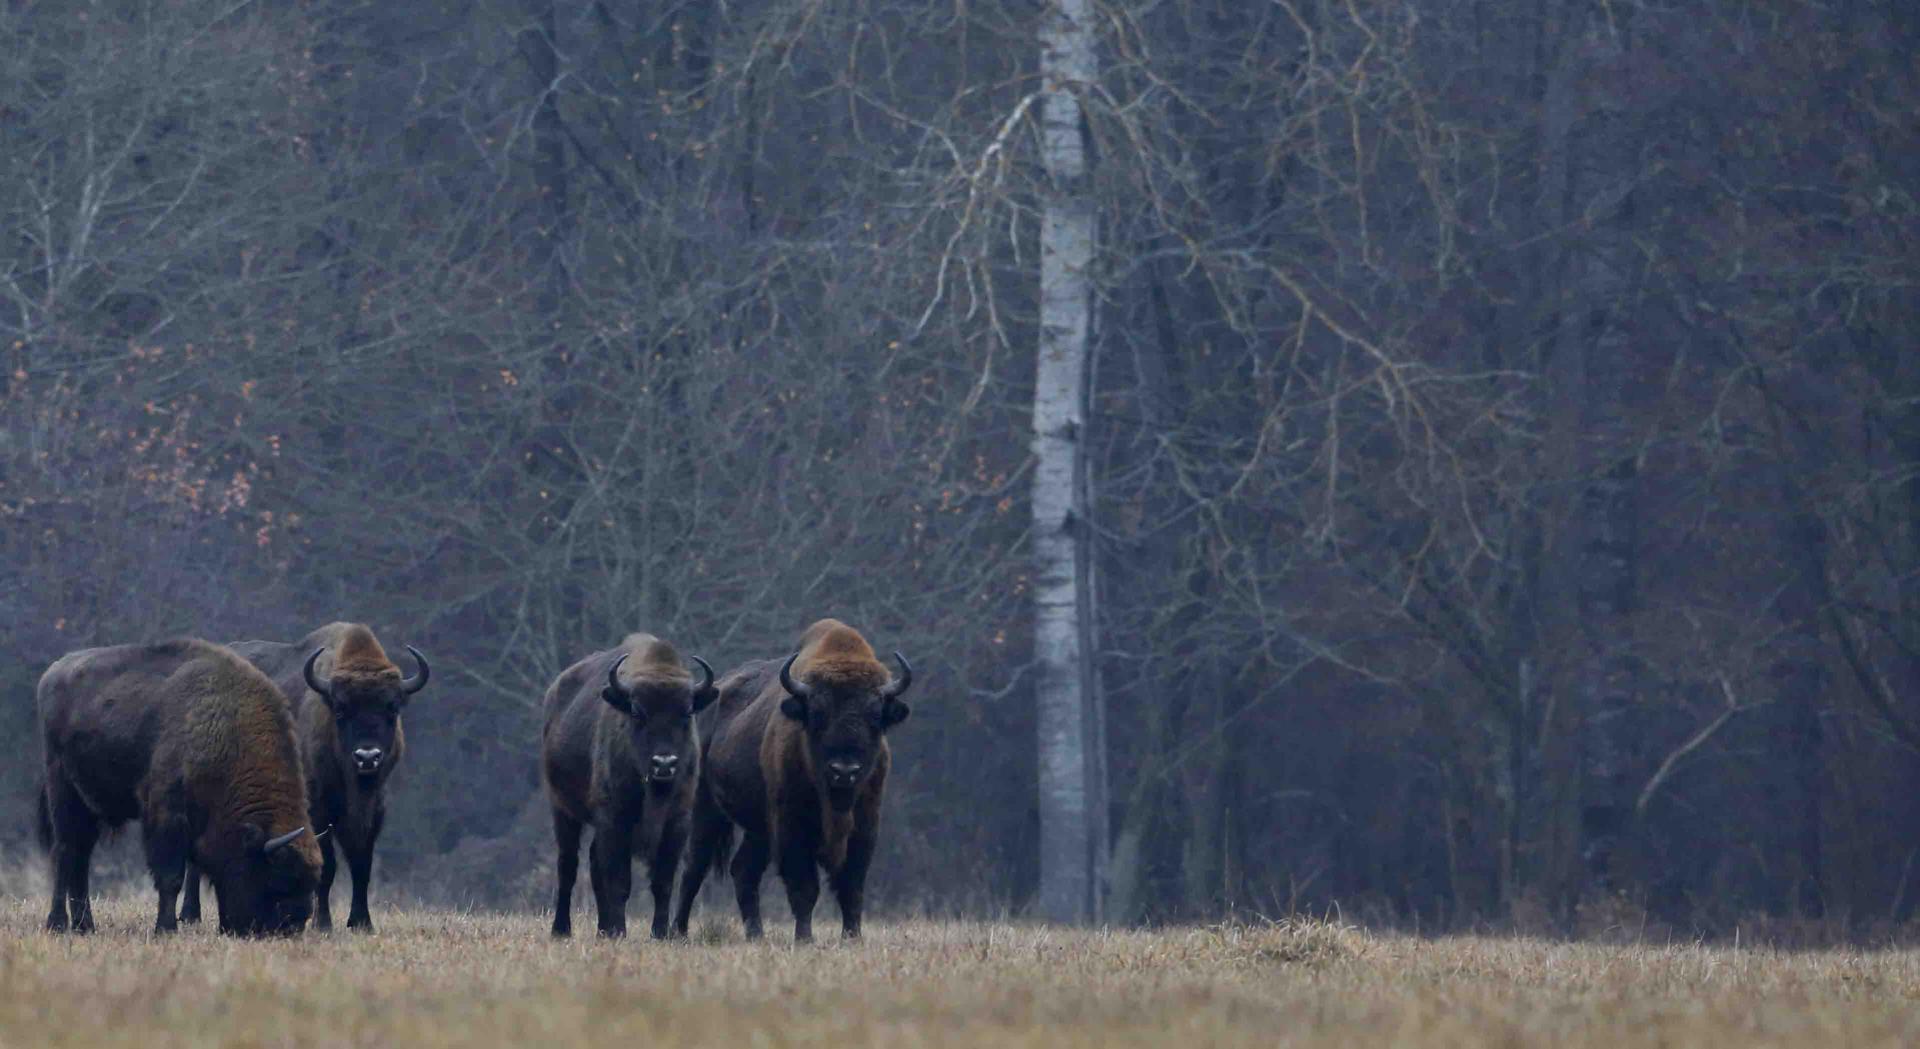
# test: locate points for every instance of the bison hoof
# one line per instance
(362, 927)
(562, 932)
(613, 934)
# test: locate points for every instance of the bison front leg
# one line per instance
(167, 845)
(360, 868)
(660, 872)
(612, 859)
(802, 878)
(850, 883)
(323, 893)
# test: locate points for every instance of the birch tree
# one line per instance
(1066, 725)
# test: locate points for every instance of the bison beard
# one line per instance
(193, 742)
(619, 752)
(798, 760)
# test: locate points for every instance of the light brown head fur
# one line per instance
(651, 661)
(358, 655)
(833, 653)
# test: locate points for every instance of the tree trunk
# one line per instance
(540, 47)
(1067, 729)
(1593, 364)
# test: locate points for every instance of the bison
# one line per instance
(797, 759)
(619, 752)
(346, 697)
(192, 741)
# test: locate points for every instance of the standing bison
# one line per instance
(193, 742)
(346, 697)
(619, 752)
(798, 760)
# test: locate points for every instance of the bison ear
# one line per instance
(893, 712)
(794, 708)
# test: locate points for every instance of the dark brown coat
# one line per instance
(619, 752)
(798, 760)
(192, 741)
(347, 698)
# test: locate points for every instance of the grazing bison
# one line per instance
(346, 697)
(618, 750)
(193, 742)
(798, 759)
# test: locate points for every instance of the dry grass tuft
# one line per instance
(440, 977)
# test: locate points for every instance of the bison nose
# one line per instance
(367, 759)
(665, 765)
(843, 771)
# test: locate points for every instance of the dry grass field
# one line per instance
(433, 978)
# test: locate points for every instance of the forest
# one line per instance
(1492, 493)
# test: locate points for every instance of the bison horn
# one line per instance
(706, 676)
(898, 686)
(419, 680)
(613, 676)
(794, 688)
(307, 672)
(276, 844)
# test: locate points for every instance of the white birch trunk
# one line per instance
(1067, 847)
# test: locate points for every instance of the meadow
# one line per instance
(434, 977)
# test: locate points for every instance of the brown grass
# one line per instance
(433, 978)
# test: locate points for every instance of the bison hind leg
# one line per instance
(709, 844)
(749, 865)
(566, 838)
(73, 830)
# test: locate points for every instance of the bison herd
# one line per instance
(246, 764)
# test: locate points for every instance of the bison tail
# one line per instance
(42, 819)
(723, 854)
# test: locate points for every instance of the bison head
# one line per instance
(264, 885)
(660, 714)
(844, 721)
(366, 711)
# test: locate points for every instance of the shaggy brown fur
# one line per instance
(351, 739)
(189, 739)
(801, 775)
(618, 751)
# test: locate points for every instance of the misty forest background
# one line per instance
(1499, 457)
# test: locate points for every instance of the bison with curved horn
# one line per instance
(798, 761)
(193, 742)
(619, 752)
(346, 697)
